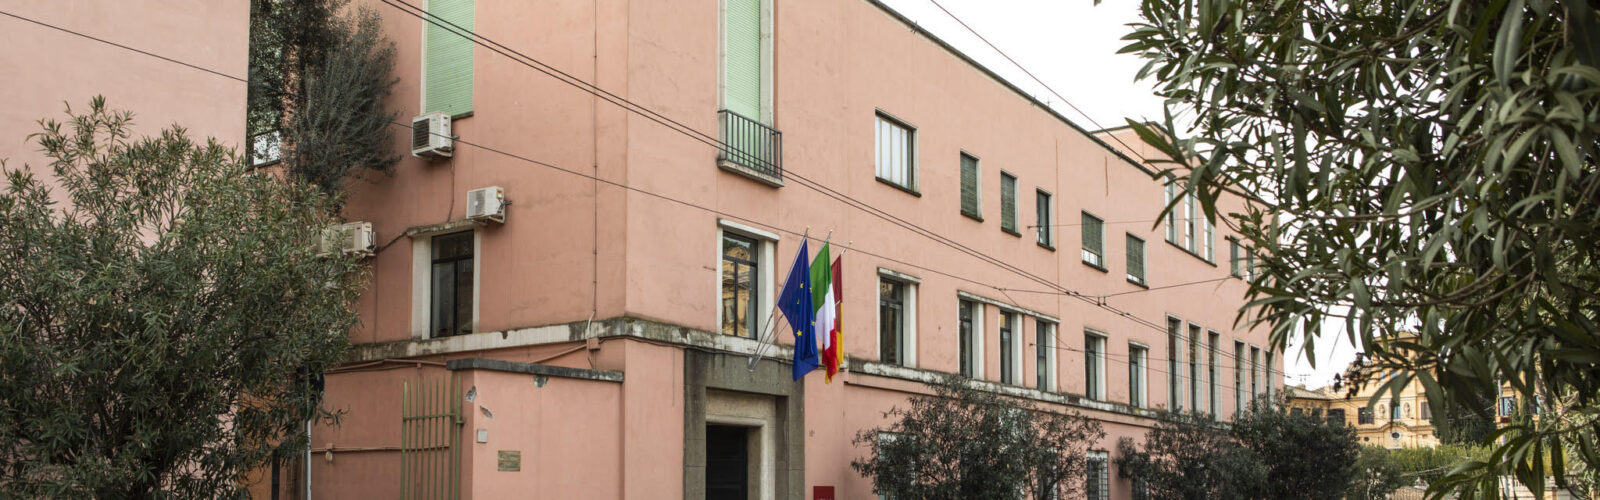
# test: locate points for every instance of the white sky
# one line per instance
(1072, 45)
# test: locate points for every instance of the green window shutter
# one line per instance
(969, 186)
(1008, 203)
(1135, 258)
(1092, 236)
(741, 57)
(447, 69)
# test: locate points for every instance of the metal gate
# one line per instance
(430, 438)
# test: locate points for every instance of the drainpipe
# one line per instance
(308, 459)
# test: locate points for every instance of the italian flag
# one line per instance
(825, 293)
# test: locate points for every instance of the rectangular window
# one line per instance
(743, 67)
(1008, 356)
(740, 277)
(1250, 263)
(1210, 240)
(1190, 216)
(1238, 377)
(1141, 489)
(897, 152)
(1336, 416)
(1172, 215)
(892, 297)
(1094, 362)
(1212, 338)
(447, 58)
(1046, 222)
(1135, 259)
(1255, 371)
(1394, 411)
(1044, 352)
(970, 188)
(1008, 203)
(1195, 380)
(1508, 405)
(1266, 375)
(1174, 376)
(452, 284)
(1097, 484)
(1094, 233)
(1425, 413)
(1235, 259)
(1138, 356)
(1364, 415)
(968, 338)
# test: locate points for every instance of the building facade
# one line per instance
(1404, 421)
(662, 163)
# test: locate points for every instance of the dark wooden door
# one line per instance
(727, 462)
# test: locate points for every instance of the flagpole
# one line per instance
(761, 347)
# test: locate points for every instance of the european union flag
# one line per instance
(795, 302)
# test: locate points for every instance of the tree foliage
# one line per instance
(319, 76)
(156, 329)
(964, 442)
(1190, 456)
(1377, 475)
(1305, 456)
(1420, 165)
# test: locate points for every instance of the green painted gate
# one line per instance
(430, 438)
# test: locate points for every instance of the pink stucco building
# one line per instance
(598, 342)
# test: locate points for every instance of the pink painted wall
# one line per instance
(47, 70)
(573, 249)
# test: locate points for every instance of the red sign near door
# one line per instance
(822, 493)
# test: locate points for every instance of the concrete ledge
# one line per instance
(873, 368)
(532, 369)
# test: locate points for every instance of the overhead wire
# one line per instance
(665, 121)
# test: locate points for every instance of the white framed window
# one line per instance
(1174, 359)
(745, 263)
(970, 338)
(1097, 480)
(1191, 215)
(1172, 215)
(444, 291)
(897, 318)
(1196, 378)
(1138, 367)
(1044, 355)
(1238, 378)
(1212, 338)
(1235, 259)
(1255, 371)
(896, 150)
(1010, 340)
(1094, 363)
(1266, 375)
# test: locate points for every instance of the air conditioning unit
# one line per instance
(354, 238)
(487, 204)
(431, 137)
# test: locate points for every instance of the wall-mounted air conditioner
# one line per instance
(430, 136)
(487, 204)
(354, 238)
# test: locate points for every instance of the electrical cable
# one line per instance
(912, 227)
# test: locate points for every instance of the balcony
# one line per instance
(750, 148)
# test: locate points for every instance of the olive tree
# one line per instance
(162, 327)
(964, 442)
(1421, 169)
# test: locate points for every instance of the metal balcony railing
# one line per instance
(751, 144)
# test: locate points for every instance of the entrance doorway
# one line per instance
(727, 462)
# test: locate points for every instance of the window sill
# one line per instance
(1012, 232)
(1191, 254)
(1096, 267)
(1047, 246)
(975, 217)
(1139, 284)
(913, 192)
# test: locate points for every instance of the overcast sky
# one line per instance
(1072, 45)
